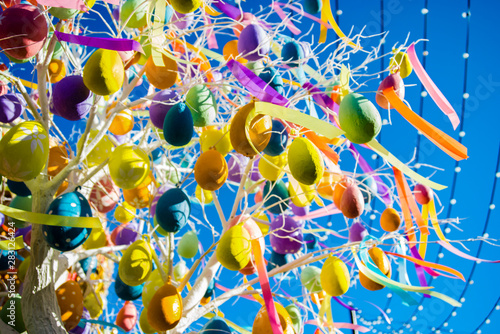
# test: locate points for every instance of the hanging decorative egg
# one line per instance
(259, 131)
(173, 210)
(23, 30)
(352, 203)
(310, 279)
(125, 212)
(136, 263)
(11, 107)
(128, 234)
(392, 80)
(368, 187)
(188, 245)
(141, 196)
(71, 99)
(161, 104)
(312, 6)
(216, 325)
(127, 317)
(296, 317)
(210, 170)
(357, 232)
(18, 188)
(301, 195)
(63, 13)
(24, 151)
(144, 324)
(203, 196)
(311, 241)
(165, 308)
(236, 166)
(202, 104)
(82, 327)
(70, 300)
(253, 42)
(56, 70)
(58, 158)
(101, 151)
(128, 166)
(162, 76)
(272, 168)
(276, 197)
(153, 283)
(262, 324)
(335, 278)
(230, 51)
(104, 194)
(65, 238)
(178, 125)
(278, 260)
(382, 262)
(291, 53)
(185, 6)
(400, 62)
(123, 123)
(286, 235)
(97, 239)
(22, 203)
(423, 194)
(274, 80)
(133, 13)
(279, 139)
(234, 248)
(93, 303)
(359, 118)
(104, 73)
(305, 161)
(390, 221)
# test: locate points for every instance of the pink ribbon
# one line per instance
(289, 24)
(340, 325)
(429, 85)
(301, 12)
(462, 254)
(72, 4)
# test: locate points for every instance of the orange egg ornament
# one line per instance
(210, 170)
(390, 220)
(259, 131)
(70, 300)
(141, 196)
(165, 308)
(230, 51)
(58, 158)
(57, 70)
(162, 77)
(382, 262)
(262, 325)
(123, 123)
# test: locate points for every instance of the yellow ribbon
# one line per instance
(11, 245)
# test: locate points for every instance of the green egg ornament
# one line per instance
(359, 118)
(22, 203)
(24, 151)
(152, 284)
(305, 161)
(185, 6)
(13, 306)
(335, 279)
(128, 166)
(63, 13)
(180, 270)
(274, 193)
(144, 324)
(294, 313)
(136, 263)
(202, 104)
(310, 278)
(104, 72)
(188, 245)
(134, 13)
(234, 248)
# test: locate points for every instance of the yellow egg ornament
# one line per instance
(136, 263)
(57, 70)
(234, 248)
(335, 278)
(213, 137)
(165, 308)
(185, 6)
(104, 72)
(204, 196)
(93, 304)
(125, 212)
(101, 151)
(272, 168)
(24, 151)
(128, 166)
(262, 325)
(401, 62)
(210, 170)
(301, 195)
(97, 239)
(153, 283)
(305, 161)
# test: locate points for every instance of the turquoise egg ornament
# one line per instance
(178, 125)
(173, 210)
(216, 325)
(276, 192)
(127, 292)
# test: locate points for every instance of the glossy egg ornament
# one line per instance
(390, 221)
(101, 151)
(312, 6)
(97, 239)
(202, 104)
(382, 262)
(278, 141)
(144, 324)
(161, 104)
(359, 118)
(104, 195)
(178, 125)
(71, 99)
(23, 30)
(124, 213)
(104, 72)
(310, 278)
(274, 80)
(276, 197)
(392, 80)
(218, 138)
(11, 107)
(134, 13)
(210, 170)
(70, 299)
(162, 76)
(262, 325)
(272, 168)
(400, 62)
(253, 42)
(234, 248)
(18, 322)
(216, 325)
(185, 6)
(259, 131)
(335, 278)
(24, 151)
(352, 203)
(123, 123)
(127, 317)
(173, 210)
(286, 235)
(136, 263)
(65, 238)
(165, 308)
(305, 161)
(423, 194)
(128, 166)
(292, 53)
(188, 245)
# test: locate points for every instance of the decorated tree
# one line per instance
(137, 140)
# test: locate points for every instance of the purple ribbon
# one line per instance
(255, 85)
(228, 9)
(116, 44)
(350, 308)
(321, 98)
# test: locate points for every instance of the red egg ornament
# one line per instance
(23, 29)
(423, 194)
(392, 80)
(127, 317)
(104, 195)
(352, 203)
